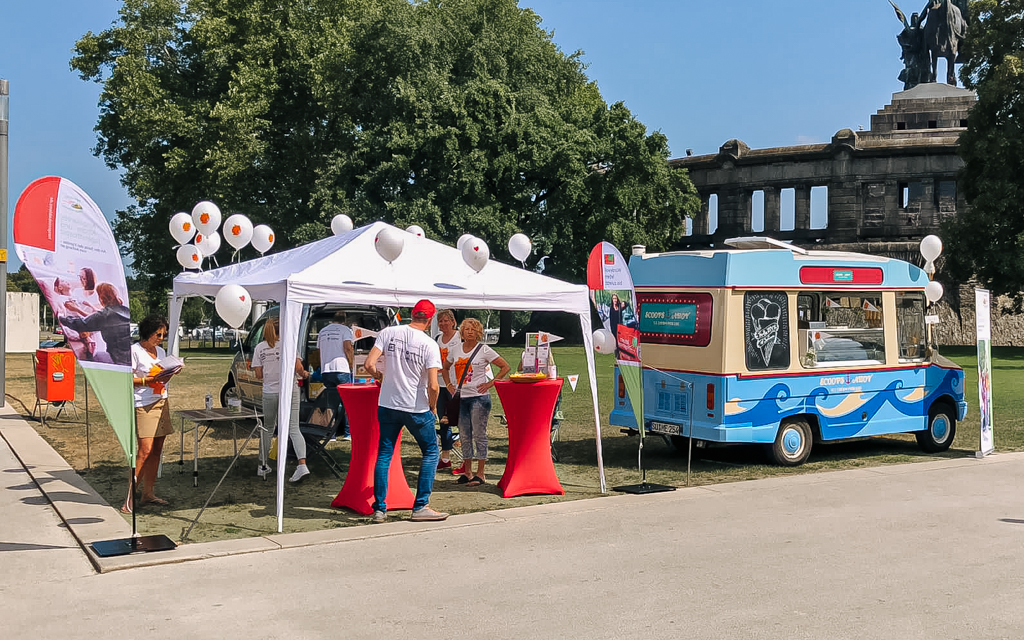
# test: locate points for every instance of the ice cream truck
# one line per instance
(764, 342)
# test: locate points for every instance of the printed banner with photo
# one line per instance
(611, 291)
(67, 245)
(982, 301)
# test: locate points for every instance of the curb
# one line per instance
(90, 518)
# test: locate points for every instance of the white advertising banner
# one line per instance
(982, 305)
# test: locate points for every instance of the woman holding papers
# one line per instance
(151, 370)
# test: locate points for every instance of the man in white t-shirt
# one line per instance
(337, 361)
(408, 397)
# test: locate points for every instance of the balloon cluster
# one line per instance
(201, 229)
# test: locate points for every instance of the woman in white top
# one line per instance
(266, 363)
(152, 413)
(475, 393)
(447, 341)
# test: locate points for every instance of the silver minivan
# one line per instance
(242, 382)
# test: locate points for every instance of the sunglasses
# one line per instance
(161, 334)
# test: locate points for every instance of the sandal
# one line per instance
(125, 509)
(157, 501)
(475, 482)
(463, 480)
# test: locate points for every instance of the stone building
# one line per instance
(878, 191)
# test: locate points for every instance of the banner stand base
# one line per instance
(644, 487)
(127, 546)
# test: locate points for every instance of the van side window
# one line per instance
(766, 330)
(910, 325)
(852, 328)
(255, 337)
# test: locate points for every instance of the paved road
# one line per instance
(928, 550)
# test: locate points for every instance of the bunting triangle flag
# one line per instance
(547, 338)
(573, 379)
(869, 307)
(361, 333)
(832, 304)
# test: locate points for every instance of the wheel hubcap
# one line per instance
(792, 442)
(940, 427)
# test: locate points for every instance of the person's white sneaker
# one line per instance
(379, 517)
(301, 472)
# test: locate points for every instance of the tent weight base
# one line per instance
(127, 546)
(644, 487)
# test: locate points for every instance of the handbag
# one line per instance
(453, 407)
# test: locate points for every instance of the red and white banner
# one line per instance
(67, 245)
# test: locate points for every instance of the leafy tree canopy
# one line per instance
(987, 240)
(460, 116)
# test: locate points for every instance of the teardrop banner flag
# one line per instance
(67, 245)
(611, 291)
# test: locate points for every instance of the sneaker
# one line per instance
(461, 471)
(301, 472)
(348, 436)
(426, 514)
(264, 470)
(444, 464)
(379, 517)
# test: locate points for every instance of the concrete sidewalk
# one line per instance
(926, 550)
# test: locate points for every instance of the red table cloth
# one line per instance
(360, 402)
(529, 408)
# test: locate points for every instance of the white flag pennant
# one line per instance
(869, 307)
(573, 379)
(361, 333)
(547, 338)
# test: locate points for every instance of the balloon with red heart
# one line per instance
(233, 305)
(475, 253)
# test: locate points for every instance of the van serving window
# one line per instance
(675, 318)
(850, 330)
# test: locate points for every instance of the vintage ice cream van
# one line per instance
(787, 347)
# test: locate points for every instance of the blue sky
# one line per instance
(771, 74)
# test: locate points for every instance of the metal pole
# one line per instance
(4, 113)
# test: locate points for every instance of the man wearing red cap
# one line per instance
(408, 396)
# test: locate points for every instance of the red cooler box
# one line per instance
(55, 374)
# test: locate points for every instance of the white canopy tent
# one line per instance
(348, 269)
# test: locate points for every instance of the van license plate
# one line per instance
(666, 428)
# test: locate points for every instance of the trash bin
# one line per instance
(55, 375)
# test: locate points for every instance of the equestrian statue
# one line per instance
(934, 33)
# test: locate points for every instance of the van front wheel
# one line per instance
(940, 432)
(792, 445)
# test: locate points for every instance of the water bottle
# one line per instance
(209, 402)
(553, 372)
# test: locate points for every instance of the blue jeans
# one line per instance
(331, 381)
(421, 426)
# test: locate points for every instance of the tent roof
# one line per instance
(347, 268)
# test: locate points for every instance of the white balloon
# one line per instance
(604, 342)
(189, 256)
(238, 230)
(262, 238)
(931, 247)
(933, 291)
(389, 243)
(475, 253)
(520, 247)
(340, 224)
(415, 230)
(206, 217)
(233, 305)
(182, 228)
(208, 244)
(462, 240)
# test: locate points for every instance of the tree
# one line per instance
(987, 240)
(459, 116)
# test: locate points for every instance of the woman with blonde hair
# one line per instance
(266, 363)
(471, 362)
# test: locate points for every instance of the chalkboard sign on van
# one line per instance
(766, 330)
